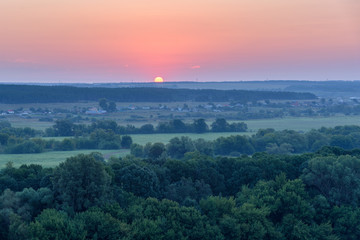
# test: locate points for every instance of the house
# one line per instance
(95, 111)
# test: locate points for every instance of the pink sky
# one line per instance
(212, 40)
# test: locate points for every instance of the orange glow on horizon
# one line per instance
(135, 40)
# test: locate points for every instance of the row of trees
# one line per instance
(109, 106)
(265, 140)
(99, 139)
(101, 135)
(309, 196)
(68, 128)
(27, 140)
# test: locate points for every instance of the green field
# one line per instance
(32, 123)
(51, 159)
(142, 139)
(297, 124)
(302, 124)
(165, 137)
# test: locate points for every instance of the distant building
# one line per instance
(95, 111)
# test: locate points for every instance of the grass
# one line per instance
(142, 139)
(165, 137)
(297, 124)
(32, 123)
(52, 159)
(303, 123)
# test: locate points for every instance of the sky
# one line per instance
(179, 40)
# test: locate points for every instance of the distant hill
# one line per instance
(327, 89)
(49, 94)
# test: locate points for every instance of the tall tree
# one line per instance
(64, 128)
(220, 125)
(111, 107)
(103, 103)
(200, 126)
(81, 182)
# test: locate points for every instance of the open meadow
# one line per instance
(142, 139)
(32, 123)
(302, 123)
(142, 115)
(291, 123)
(52, 159)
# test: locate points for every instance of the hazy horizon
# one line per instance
(166, 82)
(204, 41)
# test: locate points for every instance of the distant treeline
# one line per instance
(265, 140)
(325, 86)
(106, 135)
(50, 94)
(102, 134)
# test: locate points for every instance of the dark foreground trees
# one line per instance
(263, 196)
(80, 183)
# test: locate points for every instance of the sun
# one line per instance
(158, 80)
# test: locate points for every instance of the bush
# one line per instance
(25, 147)
(126, 141)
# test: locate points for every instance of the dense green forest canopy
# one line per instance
(49, 94)
(265, 196)
(327, 89)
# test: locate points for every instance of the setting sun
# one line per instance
(158, 80)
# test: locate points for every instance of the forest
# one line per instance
(270, 185)
(260, 183)
(179, 120)
(262, 196)
(51, 94)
